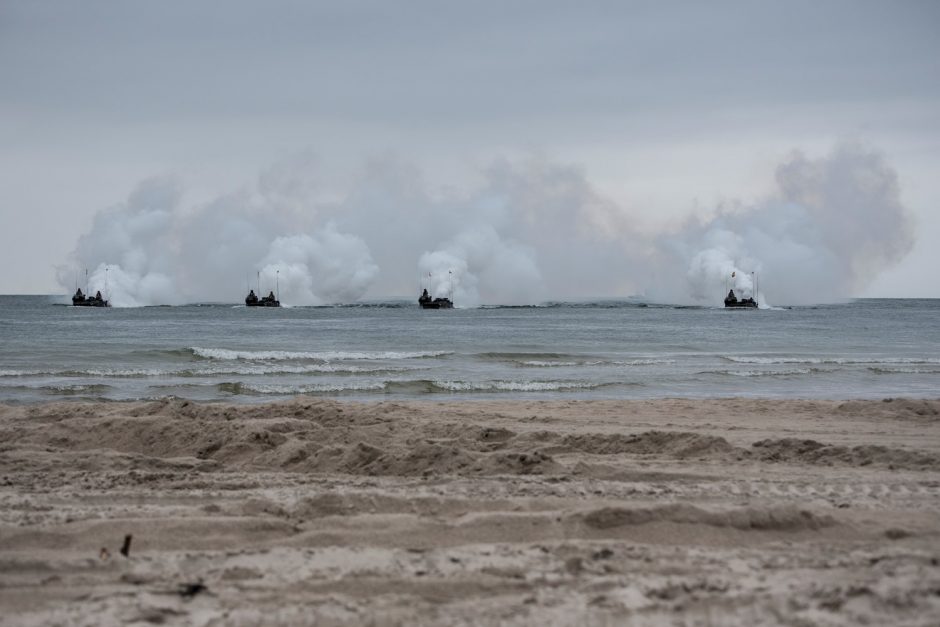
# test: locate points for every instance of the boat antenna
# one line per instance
(107, 273)
(86, 280)
(277, 284)
(451, 281)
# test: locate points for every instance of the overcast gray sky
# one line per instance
(667, 108)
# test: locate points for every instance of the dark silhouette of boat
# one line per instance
(733, 301)
(252, 300)
(427, 302)
(80, 300)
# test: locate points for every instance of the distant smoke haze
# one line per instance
(531, 231)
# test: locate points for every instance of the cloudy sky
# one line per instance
(648, 133)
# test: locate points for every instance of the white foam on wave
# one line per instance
(644, 362)
(750, 359)
(883, 370)
(261, 388)
(247, 369)
(629, 362)
(263, 369)
(22, 373)
(765, 373)
(74, 389)
(92, 372)
(512, 386)
(228, 355)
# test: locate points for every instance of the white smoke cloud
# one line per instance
(713, 265)
(479, 266)
(326, 267)
(125, 288)
(832, 225)
(530, 231)
(152, 250)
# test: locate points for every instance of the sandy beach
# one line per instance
(686, 512)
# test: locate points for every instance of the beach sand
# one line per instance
(685, 512)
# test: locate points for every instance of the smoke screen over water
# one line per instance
(531, 231)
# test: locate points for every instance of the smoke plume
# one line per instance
(479, 257)
(528, 231)
(151, 250)
(830, 227)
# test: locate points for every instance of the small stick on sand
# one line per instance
(126, 549)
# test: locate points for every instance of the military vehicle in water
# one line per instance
(80, 300)
(733, 301)
(252, 300)
(427, 302)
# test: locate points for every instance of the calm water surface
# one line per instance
(626, 349)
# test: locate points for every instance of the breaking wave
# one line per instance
(240, 387)
(247, 369)
(22, 373)
(515, 386)
(406, 386)
(522, 357)
(643, 362)
(92, 372)
(883, 370)
(88, 389)
(750, 359)
(793, 372)
(225, 354)
(83, 389)
(560, 360)
(535, 363)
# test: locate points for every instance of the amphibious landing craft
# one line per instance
(733, 301)
(80, 300)
(270, 300)
(252, 300)
(427, 302)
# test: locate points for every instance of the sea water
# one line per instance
(603, 350)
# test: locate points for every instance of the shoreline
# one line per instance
(735, 511)
(456, 398)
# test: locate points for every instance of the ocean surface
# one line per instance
(604, 350)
